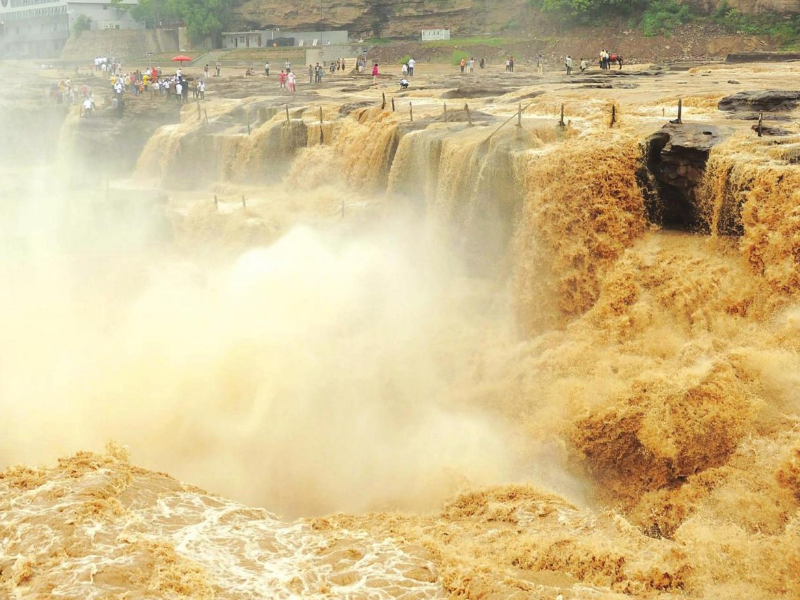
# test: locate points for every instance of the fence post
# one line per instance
(383, 103)
(287, 113)
(519, 115)
(392, 104)
(411, 111)
(760, 121)
(680, 110)
(445, 112)
(469, 114)
(613, 115)
(205, 113)
(321, 133)
(248, 123)
(561, 120)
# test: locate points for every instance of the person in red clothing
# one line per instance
(375, 73)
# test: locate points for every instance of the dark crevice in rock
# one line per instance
(675, 163)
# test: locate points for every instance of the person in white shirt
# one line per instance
(568, 64)
(201, 89)
(411, 64)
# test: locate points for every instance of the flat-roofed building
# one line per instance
(268, 38)
(40, 28)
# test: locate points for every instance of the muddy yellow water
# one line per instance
(440, 358)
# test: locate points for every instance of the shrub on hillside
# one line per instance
(82, 23)
(663, 16)
(455, 59)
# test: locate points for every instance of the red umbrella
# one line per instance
(181, 58)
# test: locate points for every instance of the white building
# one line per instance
(269, 37)
(41, 27)
(428, 35)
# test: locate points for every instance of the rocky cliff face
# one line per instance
(386, 18)
(405, 18)
(749, 7)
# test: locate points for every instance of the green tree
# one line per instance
(203, 18)
(82, 23)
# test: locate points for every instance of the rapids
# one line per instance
(439, 360)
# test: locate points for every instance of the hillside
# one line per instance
(385, 18)
(404, 19)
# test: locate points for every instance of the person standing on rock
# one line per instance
(311, 72)
(471, 64)
(568, 64)
(218, 67)
(404, 70)
(375, 73)
(511, 62)
(584, 65)
(540, 64)
(201, 89)
(266, 69)
(411, 64)
(463, 65)
(483, 63)
(292, 82)
(205, 71)
(282, 80)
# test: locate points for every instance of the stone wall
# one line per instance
(120, 43)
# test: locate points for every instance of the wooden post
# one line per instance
(680, 110)
(469, 114)
(244, 202)
(216, 203)
(392, 104)
(287, 113)
(248, 123)
(321, 133)
(205, 113)
(561, 120)
(411, 111)
(613, 115)
(519, 115)
(760, 121)
(663, 112)
(383, 103)
(199, 115)
(445, 112)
